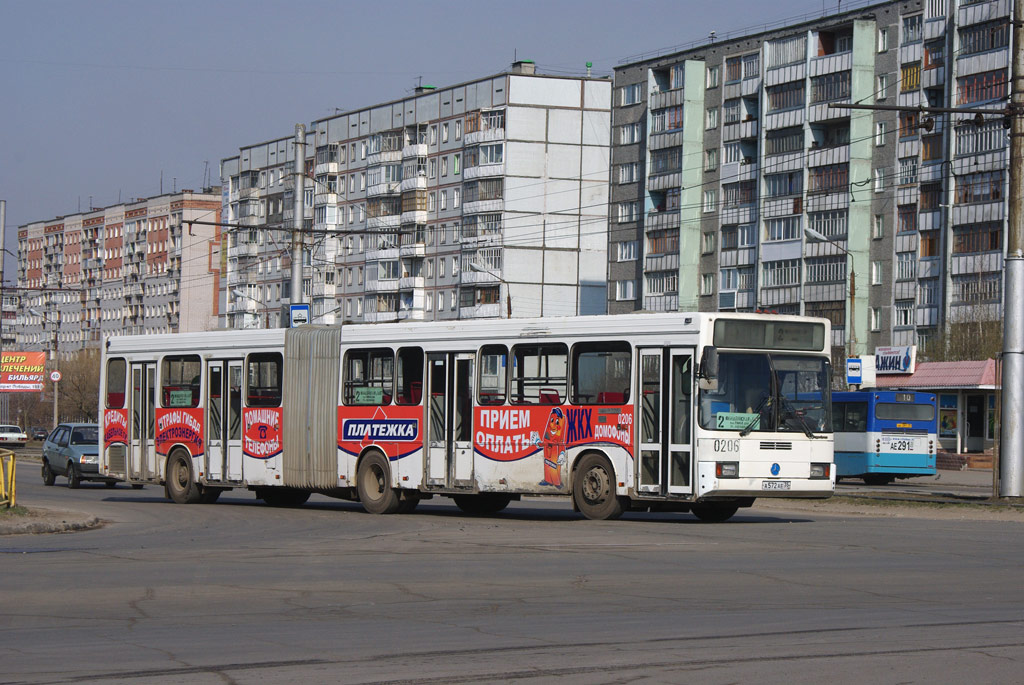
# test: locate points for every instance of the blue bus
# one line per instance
(882, 435)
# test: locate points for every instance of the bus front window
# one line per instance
(742, 400)
(803, 384)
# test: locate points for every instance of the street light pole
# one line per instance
(508, 291)
(851, 337)
(55, 362)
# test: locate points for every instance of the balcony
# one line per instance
(411, 282)
(418, 150)
(486, 136)
(386, 221)
(243, 250)
(481, 311)
(389, 188)
(417, 182)
(385, 157)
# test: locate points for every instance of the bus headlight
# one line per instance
(727, 469)
(820, 471)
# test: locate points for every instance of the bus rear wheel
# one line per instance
(483, 504)
(374, 485)
(181, 487)
(593, 489)
(714, 512)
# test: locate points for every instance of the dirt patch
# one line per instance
(34, 521)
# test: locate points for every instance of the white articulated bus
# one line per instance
(664, 412)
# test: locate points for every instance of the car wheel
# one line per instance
(74, 478)
(48, 475)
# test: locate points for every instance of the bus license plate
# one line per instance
(775, 484)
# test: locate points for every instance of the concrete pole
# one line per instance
(1011, 452)
(300, 213)
(3, 258)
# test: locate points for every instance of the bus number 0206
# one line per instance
(727, 445)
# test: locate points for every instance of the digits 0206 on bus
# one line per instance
(641, 412)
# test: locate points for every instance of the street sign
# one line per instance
(854, 372)
(299, 314)
(55, 376)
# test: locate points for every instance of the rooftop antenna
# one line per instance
(174, 184)
(711, 37)
(206, 173)
(161, 181)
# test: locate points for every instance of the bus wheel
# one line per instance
(877, 479)
(181, 487)
(482, 505)
(374, 485)
(283, 497)
(714, 512)
(593, 489)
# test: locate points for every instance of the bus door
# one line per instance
(450, 419)
(142, 453)
(224, 421)
(664, 415)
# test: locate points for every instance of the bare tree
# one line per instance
(80, 386)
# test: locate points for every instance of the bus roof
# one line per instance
(600, 326)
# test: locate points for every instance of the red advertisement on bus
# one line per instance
(262, 435)
(395, 429)
(179, 426)
(115, 427)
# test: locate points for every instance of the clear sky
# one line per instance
(98, 98)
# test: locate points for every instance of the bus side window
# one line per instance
(493, 363)
(601, 372)
(409, 376)
(539, 374)
(180, 381)
(117, 376)
(369, 376)
(857, 417)
(838, 417)
(263, 380)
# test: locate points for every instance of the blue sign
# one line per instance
(854, 372)
(299, 314)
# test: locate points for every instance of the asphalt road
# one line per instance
(239, 592)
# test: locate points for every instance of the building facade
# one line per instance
(725, 154)
(129, 269)
(483, 199)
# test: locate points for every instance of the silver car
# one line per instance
(73, 450)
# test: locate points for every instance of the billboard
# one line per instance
(22, 371)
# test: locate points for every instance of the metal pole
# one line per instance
(851, 343)
(1011, 452)
(300, 212)
(56, 384)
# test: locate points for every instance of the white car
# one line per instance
(12, 436)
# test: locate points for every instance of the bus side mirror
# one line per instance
(708, 371)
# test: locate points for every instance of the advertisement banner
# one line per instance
(895, 359)
(22, 371)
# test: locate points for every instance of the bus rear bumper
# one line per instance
(810, 488)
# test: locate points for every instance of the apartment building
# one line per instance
(725, 153)
(134, 268)
(483, 199)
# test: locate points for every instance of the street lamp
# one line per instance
(851, 338)
(56, 384)
(473, 266)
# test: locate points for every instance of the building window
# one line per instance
(631, 94)
(733, 69)
(904, 313)
(711, 118)
(625, 290)
(876, 318)
(882, 92)
(883, 39)
(931, 196)
(627, 172)
(458, 135)
(908, 170)
(824, 179)
(707, 284)
(906, 218)
(629, 211)
(444, 132)
(826, 269)
(751, 66)
(782, 185)
(784, 140)
(707, 243)
(831, 224)
(627, 251)
(911, 29)
(929, 244)
(786, 96)
(711, 159)
(829, 87)
(985, 186)
(733, 153)
(781, 273)
(906, 266)
(787, 228)
(712, 76)
(710, 200)
(908, 125)
(984, 37)
(982, 237)
(779, 53)
(879, 180)
(910, 77)
(990, 85)
(973, 140)
(880, 131)
(629, 133)
(667, 119)
(876, 273)
(977, 288)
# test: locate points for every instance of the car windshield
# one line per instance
(85, 435)
(767, 393)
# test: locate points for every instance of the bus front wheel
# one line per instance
(374, 485)
(181, 487)
(593, 489)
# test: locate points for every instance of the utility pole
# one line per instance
(1011, 439)
(300, 213)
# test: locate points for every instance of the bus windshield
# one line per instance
(902, 411)
(769, 393)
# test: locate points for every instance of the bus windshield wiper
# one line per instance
(802, 421)
(757, 415)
